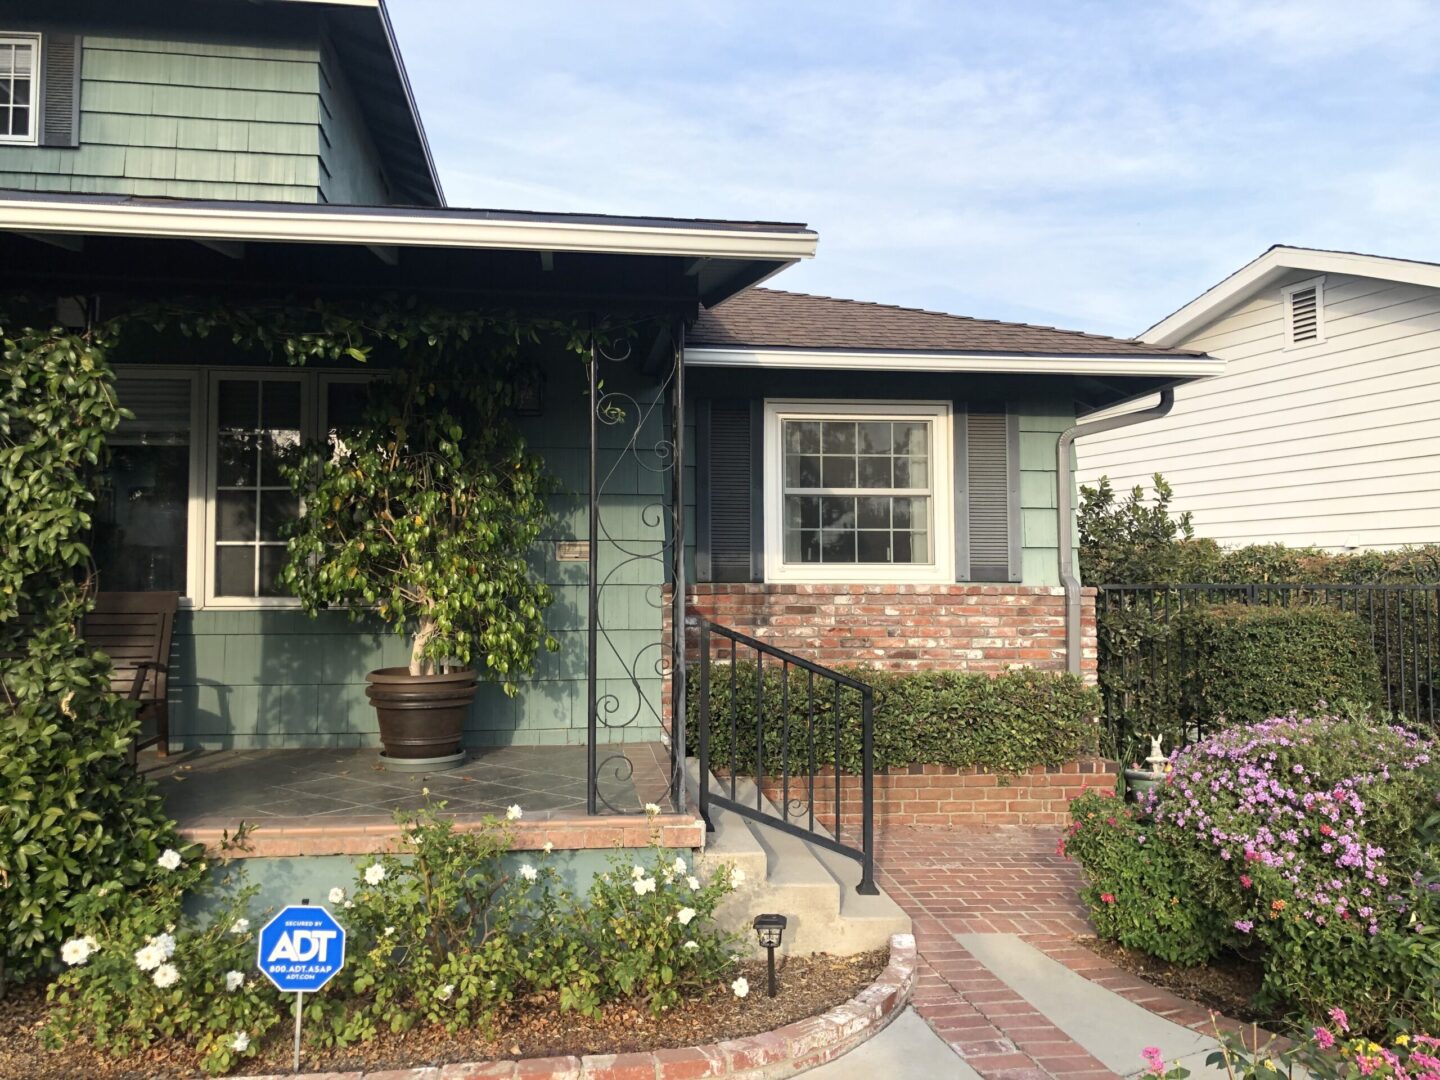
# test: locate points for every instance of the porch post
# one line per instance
(677, 577)
(592, 630)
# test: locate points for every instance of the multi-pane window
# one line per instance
(859, 492)
(19, 61)
(258, 425)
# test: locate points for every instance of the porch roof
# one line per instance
(71, 239)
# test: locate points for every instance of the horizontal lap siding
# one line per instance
(279, 678)
(1041, 424)
(1328, 444)
(187, 119)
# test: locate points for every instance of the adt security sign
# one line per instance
(301, 949)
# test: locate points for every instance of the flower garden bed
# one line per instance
(825, 1007)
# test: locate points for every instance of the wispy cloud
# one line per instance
(1092, 164)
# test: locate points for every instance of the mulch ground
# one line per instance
(808, 986)
(1228, 984)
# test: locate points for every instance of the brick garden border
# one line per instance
(769, 1056)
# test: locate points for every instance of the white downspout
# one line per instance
(1066, 482)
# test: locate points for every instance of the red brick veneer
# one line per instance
(944, 795)
(988, 628)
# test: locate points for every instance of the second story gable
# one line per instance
(296, 101)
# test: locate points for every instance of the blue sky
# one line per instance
(1092, 165)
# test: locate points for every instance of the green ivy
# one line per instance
(1003, 723)
(72, 813)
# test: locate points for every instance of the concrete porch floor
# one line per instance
(341, 801)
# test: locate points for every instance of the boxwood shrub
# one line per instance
(1004, 723)
(1253, 662)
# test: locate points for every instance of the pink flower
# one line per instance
(1245, 881)
(1107, 897)
(1342, 1021)
(1155, 1058)
(1324, 1039)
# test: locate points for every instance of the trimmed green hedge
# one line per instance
(1254, 662)
(1004, 723)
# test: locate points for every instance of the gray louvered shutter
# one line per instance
(60, 90)
(992, 496)
(728, 544)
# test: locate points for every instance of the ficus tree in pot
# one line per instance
(423, 514)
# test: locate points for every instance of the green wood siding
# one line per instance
(350, 166)
(253, 679)
(1041, 422)
(190, 114)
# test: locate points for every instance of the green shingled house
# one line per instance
(844, 482)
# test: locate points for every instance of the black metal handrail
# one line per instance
(834, 686)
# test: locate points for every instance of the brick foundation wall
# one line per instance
(944, 795)
(988, 628)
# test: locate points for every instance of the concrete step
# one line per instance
(868, 920)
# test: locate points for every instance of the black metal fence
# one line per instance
(795, 741)
(1141, 663)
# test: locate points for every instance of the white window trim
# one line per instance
(200, 539)
(36, 75)
(1318, 284)
(942, 528)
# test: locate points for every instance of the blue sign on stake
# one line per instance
(301, 949)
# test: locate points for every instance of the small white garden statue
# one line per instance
(1138, 780)
(1156, 760)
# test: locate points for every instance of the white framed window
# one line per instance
(193, 497)
(19, 88)
(858, 492)
(1304, 306)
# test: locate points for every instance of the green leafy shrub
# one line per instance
(1005, 723)
(73, 814)
(1252, 662)
(1136, 889)
(1308, 844)
(144, 971)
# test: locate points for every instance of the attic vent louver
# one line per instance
(1304, 314)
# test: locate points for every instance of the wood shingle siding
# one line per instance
(1324, 443)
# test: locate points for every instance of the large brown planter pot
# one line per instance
(422, 717)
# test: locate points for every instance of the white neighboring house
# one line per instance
(1324, 429)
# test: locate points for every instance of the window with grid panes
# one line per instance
(19, 64)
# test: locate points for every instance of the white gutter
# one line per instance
(1184, 367)
(398, 229)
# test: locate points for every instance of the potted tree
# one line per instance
(423, 514)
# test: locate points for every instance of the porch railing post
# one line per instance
(867, 787)
(678, 704)
(592, 637)
(704, 792)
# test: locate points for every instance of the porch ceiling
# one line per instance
(95, 243)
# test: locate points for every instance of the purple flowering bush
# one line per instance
(1305, 838)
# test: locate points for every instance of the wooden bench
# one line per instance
(134, 629)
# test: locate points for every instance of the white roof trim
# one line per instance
(1184, 367)
(397, 229)
(1270, 268)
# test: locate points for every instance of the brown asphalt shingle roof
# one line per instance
(770, 317)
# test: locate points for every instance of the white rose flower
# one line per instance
(679, 865)
(240, 1043)
(166, 975)
(528, 872)
(349, 904)
(652, 810)
(389, 931)
(685, 914)
(693, 882)
(513, 812)
(165, 943)
(445, 991)
(240, 926)
(374, 874)
(169, 859)
(77, 950)
(644, 885)
(737, 877)
(234, 980)
(149, 958)
(337, 895)
(637, 871)
(741, 987)
(691, 945)
(548, 848)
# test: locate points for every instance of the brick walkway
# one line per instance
(1002, 880)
